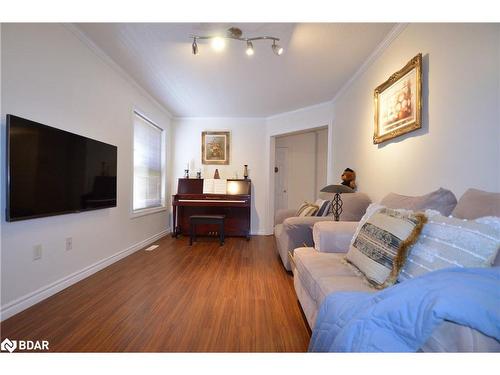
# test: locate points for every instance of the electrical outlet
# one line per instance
(37, 252)
(69, 243)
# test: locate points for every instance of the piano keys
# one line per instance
(235, 204)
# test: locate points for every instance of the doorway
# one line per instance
(300, 169)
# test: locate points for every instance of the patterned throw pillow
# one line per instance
(307, 209)
(382, 239)
(451, 242)
(324, 207)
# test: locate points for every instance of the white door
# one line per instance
(281, 178)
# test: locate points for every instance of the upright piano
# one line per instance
(235, 204)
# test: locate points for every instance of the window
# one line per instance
(148, 168)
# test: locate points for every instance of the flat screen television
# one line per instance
(53, 172)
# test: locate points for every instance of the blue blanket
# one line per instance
(402, 318)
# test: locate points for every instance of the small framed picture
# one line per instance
(215, 147)
(398, 102)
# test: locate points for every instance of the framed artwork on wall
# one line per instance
(215, 147)
(398, 102)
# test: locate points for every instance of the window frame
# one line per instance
(134, 213)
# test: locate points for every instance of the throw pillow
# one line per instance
(441, 200)
(477, 203)
(307, 209)
(378, 248)
(324, 207)
(451, 242)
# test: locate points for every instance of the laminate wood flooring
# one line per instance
(177, 298)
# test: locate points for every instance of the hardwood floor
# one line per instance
(177, 298)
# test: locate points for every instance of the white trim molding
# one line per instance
(147, 211)
(299, 110)
(381, 47)
(39, 295)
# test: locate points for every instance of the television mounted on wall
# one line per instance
(52, 172)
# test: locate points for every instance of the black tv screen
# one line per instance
(52, 171)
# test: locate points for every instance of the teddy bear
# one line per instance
(349, 178)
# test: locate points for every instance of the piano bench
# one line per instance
(206, 219)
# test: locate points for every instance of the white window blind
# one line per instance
(147, 164)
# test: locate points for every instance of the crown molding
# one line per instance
(111, 63)
(302, 109)
(191, 118)
(381, 47)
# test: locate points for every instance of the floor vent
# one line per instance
(151, 248)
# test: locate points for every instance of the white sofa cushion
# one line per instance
(324, 273)
(339, 283)
(333, 236)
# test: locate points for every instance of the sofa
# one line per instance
(321, 270)
(291, 231)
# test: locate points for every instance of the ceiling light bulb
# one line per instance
(277, 49)
(218, 44)
(249, 50)
(195, 47)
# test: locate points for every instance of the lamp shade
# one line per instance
(337, 189)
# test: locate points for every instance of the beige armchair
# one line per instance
(292, 232)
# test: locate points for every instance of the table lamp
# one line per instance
(337, 201)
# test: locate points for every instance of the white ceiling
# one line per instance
(318, 59)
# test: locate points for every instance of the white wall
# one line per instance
(321, 159)
(247, 147)
(50, 76)
(458, 146)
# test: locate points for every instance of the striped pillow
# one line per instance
(378, 248)
(324, 207)
(451, 242)
(307, 209)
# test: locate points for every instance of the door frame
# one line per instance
(276, 173)
(269, 227)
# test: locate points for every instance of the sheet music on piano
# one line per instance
(214, 186)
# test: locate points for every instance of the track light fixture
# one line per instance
(277, 49)
(219, 42)
(249, 50)
(195, 47)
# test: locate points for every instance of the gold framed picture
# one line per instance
(215, 147)
(398, 102)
